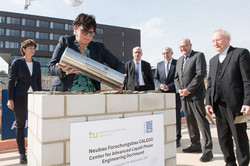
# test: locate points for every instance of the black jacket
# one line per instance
(146, 74)
(235, 79)
(98, 52)
(20, 79)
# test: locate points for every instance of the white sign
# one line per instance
(135, 141)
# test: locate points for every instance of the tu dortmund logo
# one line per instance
(93, 135)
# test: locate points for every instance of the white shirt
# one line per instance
(223, 55)
(141, 81)
(30, 67)
(169, 65)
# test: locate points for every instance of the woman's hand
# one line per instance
(67, 69)
(10, 104)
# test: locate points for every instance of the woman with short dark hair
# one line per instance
(69, 79)
(24, 76)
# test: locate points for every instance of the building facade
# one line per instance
(16, 27)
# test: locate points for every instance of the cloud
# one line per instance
(152, 28)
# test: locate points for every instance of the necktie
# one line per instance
(184, 62)
(167, 69)
(137, 74)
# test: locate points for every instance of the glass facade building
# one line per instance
(16, 27)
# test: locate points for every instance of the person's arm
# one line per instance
(209, 108)
(11, 84)
(12, 80)
(150, 78)
(245, 70)
(53, 67)
(208, 91)
(199, 74)
(157, 77)
(244, 63)
(177, 79)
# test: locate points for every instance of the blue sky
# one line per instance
(162, 22)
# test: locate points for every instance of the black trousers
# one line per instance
(227, 132)
(141, 88)
(20, 111)
(195, 114)
(178, 116)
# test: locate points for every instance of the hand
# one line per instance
(184, 92)
(209, 109)
(67, 69)
(10, 104)
(245, 109)
(164, 87)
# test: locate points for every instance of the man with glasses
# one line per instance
(189, 83)
(228, 96)
(138, 73)
(164, 82)
(69, 79)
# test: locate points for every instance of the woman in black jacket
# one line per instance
(69, 79)
(24, 76)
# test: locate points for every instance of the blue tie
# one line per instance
(137, 74)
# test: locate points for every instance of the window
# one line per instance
(123, 34)
(2, 19)
(123, 54)
(43, 35)
(58, 26)
(43, 47)
(123, 43)
(1, 44)
(30, 22)
(44, 24)
(52, 48)
(11, 20)
(15, 45)
(29, 34)
(99, 31)
(14, 32)
(68, 27)
(2, 32)
(56, 36)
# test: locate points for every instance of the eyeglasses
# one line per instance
(83, 32)
(184, 46)
(165, 53)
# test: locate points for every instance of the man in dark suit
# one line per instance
(164, 82)
(138, 73)
(228, 96)
(189, 83)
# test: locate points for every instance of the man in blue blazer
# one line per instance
(164, 82)
(228, 96)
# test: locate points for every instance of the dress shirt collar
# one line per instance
(139, 62)
(170, 61)
(188, 56)
(223, 55)
(225, 51)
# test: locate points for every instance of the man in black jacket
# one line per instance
(138, 73)
(228, 96)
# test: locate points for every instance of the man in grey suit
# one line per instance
(189, 83)
(228, 96)
(164, 82)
